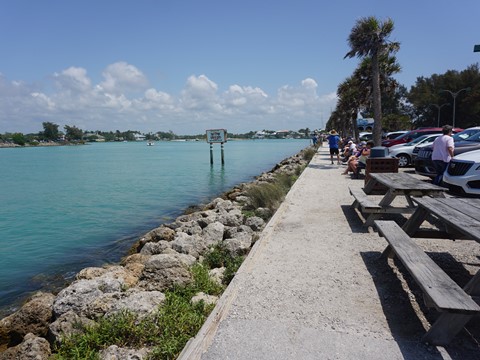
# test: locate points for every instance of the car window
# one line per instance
(475, 137)
(417, 140)
(464, 135)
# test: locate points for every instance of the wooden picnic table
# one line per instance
(456, 305)
(397, 184)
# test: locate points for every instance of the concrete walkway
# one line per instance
(313, 287)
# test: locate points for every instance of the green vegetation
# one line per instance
(168, 330)
(270, 195)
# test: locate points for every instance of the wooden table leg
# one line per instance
(473, 286)
(413, 223)
(445, 328)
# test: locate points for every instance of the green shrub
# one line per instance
(219, 256)
(308, 154)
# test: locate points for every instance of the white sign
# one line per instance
(216, 136)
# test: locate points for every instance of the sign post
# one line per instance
(476, 48)
(216, 136)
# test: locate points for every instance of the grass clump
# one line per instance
(218, 257)
(308, 153)
(168, 330)
(271, 195)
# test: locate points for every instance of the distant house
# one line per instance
(139, 137)
(94, 137)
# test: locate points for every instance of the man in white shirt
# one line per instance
(443, 147)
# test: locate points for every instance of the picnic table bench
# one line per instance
(456, 305)
(397, 184)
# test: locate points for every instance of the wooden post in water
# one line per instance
(211, 153)
(223, 159)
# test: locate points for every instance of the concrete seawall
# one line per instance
(314, 287)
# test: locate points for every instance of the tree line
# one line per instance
(373, 92)
(73, 134)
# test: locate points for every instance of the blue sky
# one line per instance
(187, 66)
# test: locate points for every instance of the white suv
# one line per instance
(463, 173)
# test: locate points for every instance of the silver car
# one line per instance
(404, 151)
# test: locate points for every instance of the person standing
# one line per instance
(443, 147)
(333, 142)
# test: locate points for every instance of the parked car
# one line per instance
(423, 161)
(463, 174)
(413, 134)
(365, 136)
(404, 151)
(394, 134)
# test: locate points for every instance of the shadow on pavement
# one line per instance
(406, 314)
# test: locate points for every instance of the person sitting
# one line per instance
(359, 160)
(349, 150)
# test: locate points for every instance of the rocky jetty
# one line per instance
(158, 260)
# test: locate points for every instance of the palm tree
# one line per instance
(369, 39)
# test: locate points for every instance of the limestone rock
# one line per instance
(207, 299)
(217, 274)
(163, 271)
(240, 245)
(80, 293)
(32, 348)
(255, 223)
(33, 317)
(116, 353)
(154, 248)
(139, 302)
(67, 324)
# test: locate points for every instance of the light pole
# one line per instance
(439, 107)
(454, 94)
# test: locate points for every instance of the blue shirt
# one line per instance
(333, 141)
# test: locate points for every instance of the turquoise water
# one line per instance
(68, 207)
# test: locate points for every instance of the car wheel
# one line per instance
(403, 160)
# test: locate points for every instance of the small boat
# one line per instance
(150, 143)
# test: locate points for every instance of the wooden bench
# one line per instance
(440, 291)
(363, 202)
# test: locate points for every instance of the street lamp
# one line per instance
(439, 107)
(454, 94)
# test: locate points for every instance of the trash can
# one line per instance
(380, 165)
(379, 152)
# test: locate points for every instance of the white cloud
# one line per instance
(122, 100)
(74, 79)
(122, 77)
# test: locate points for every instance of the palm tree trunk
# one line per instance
(377, 102)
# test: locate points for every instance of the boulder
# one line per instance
(163, 271)
(192, 245)
(213, 233)
(240, 245)
(207, 299)
(217, 275)
(115, 353)
(32, 348)
(255, 222)
(160, 233)
(232, 218)
(138, 301)
(67, 324)
(80, 293)
(90, 273)
(154, 248)
(33, 317)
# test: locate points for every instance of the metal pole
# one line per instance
(454, 97)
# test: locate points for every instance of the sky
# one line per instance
(190, 65)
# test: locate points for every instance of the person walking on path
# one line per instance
(443, 147)
(333, 142)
